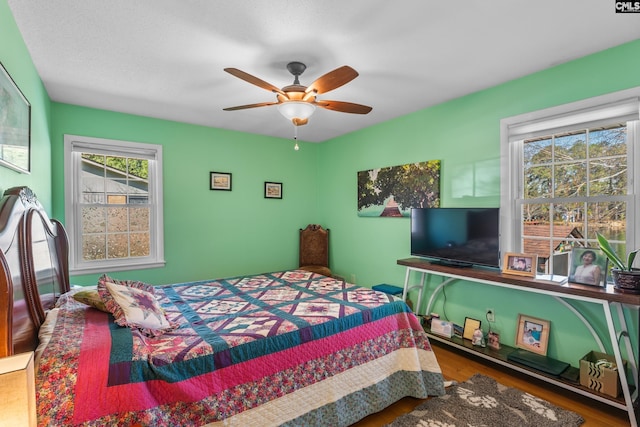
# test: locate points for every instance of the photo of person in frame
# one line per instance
(588, 266)
(520, 264)
(532, 334)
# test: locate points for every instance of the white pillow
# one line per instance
(135, 308)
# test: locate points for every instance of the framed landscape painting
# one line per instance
(392, 191)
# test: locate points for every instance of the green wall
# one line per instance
(465, 135)
(16, 60)
(208, 233)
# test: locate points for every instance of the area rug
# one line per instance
(482, 401)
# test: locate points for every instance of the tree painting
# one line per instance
(393, 191)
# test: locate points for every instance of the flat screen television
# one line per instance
(461, 237)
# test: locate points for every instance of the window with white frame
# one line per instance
(113, 204)
(569, 172)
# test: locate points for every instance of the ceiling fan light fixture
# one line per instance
(296, 110)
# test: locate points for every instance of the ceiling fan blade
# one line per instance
(344, 107)
(244, 107)
(253, 80)
(332, 80)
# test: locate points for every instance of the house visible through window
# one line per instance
(570, 174)
(113, 204)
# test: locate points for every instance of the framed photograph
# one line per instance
(470, 326)
(15, 125)
(521, 264)
(533, 334)
(493, 340)
(273, 190)
(220, 181)
(588, 267)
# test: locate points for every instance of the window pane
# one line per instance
(537, 152)
(138, 168)
(117, 246)
(608, 218)
(570, 180)
(570, 147)
(139, 219)
(535, 213)
(569, 214)
(116, 167)
(608, 142)
(93, 220)
(93, 247)
(139, 244)
(608, 177)
(537, 182)
(117, 219)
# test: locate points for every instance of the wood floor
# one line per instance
(460, 366)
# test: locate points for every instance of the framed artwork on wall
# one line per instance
(392, 191)
(220, 181)
(15, 125)
(273, 190)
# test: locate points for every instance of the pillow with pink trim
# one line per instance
(134, 307)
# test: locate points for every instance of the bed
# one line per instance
(280, 348)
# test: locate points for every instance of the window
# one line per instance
(113, 204)
(569, 172)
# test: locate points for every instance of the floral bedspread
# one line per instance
(284, 348)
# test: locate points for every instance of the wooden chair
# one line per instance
(314, 249)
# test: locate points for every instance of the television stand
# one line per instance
(610, 301)
(454, 264)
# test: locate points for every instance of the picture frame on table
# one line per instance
(220, 181)
(588, 267)
(533, 334)
(15, 125)
(273, 190)
(470, 326)
(493, 340)
(520, 264)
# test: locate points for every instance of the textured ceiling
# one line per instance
(165, 58)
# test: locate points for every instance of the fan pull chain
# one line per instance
(295, 138)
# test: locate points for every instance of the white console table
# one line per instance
(608, 298)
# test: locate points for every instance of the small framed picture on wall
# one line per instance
(273, 190)
(220, 181)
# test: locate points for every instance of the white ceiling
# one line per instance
(165, 58)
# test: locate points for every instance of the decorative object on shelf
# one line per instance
(220, 181)
(470, 326)
(478, 338)
(599, 372)
(17, 390)
(493, 340)
(588, 267)
(441, 327)
(625, 277)
(273, 190)
(15, 125)
(520, 264)
(392, 191)
(533, 334)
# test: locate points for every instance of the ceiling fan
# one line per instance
(297, 102)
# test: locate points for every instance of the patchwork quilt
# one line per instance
(283, 348)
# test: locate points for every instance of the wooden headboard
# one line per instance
(34, 268)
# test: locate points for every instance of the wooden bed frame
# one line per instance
(34, 261)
